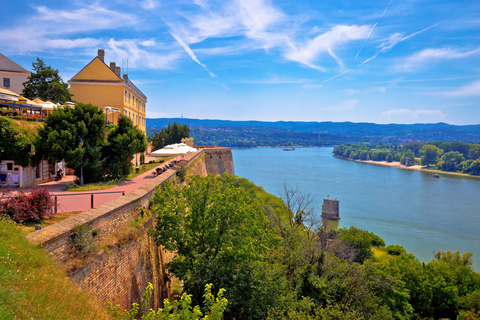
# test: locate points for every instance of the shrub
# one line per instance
(29, 207)
(395, 250)
(82, 242)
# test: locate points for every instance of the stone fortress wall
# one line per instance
(121, 275)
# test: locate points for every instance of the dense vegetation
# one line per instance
(274, 262)
(447, 156)
(252, 137)
(171, 133)
(60, 138)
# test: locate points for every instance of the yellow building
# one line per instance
(103, 86)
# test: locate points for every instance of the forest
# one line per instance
(459, 157)
(270, 258)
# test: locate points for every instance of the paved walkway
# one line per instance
(69, 203)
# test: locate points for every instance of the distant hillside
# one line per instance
(337, 131)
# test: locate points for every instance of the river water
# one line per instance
(406, 207)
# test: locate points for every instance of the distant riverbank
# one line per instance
(397, 164)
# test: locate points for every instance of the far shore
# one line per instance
(397, 164)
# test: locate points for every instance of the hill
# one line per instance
(335, 132)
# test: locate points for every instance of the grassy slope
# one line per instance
(29, 128)
(33, 286)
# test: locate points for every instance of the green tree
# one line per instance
(124, 141)
(172, 133)
(430, 154)
(60, 139)
(45, 82)
(14, 145)
(450, 161)
(220, 235)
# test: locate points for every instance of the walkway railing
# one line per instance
(82, 194)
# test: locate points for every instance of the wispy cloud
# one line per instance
(277, 80)
(343, 106)
(371, 30)
(191, 54)
(351, 92)
(326, 43)
(426, 56)
(139, 57)
(394, 40)
(407, 115)
(469, 90)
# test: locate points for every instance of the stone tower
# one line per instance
(330, 213)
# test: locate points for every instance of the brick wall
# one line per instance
(120, 275)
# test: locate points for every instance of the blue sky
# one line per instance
(384, 61)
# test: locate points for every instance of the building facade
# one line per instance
(12, 75)
(103, 86)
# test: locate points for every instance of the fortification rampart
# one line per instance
(121, 274)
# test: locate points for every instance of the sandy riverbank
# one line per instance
(397, 164)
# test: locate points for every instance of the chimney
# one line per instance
(112, 66)
(125, 77)
(101, 54)
(118, 71)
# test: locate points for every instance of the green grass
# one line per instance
(30, 227)
(33, 286)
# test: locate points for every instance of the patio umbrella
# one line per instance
(173, 150)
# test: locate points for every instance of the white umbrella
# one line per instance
(173, 150)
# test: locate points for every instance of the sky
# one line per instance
(383, 61)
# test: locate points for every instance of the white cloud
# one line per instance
(149, 4)
(426, 56)
(326, 43)
(377, 89)
(139, 58)
(351, 92)
(469, 90)
(277, 80)
(408, 116)
(72, 43)
(346, 105)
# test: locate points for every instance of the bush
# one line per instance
(395, 250)
(29, 207)
(82, 242)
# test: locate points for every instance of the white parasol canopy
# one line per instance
(173, 150)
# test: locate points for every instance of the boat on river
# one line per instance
(288, 149)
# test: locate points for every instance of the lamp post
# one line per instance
(81, 163)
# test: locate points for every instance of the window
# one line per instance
(6, 82)
(125, 95)
(129, 97)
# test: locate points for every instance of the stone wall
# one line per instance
(120, 275)
(219, 161)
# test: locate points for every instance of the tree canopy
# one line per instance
(124, 141)
(172, 133)
(60, 139)
(45, 82)
(14, 145)
(275, 264)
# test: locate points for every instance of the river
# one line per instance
(406, 207)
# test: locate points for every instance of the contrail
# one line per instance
(384, 49)
(338, 75)
(371, 30)
(191, 54)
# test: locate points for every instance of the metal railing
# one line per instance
(81, 194)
